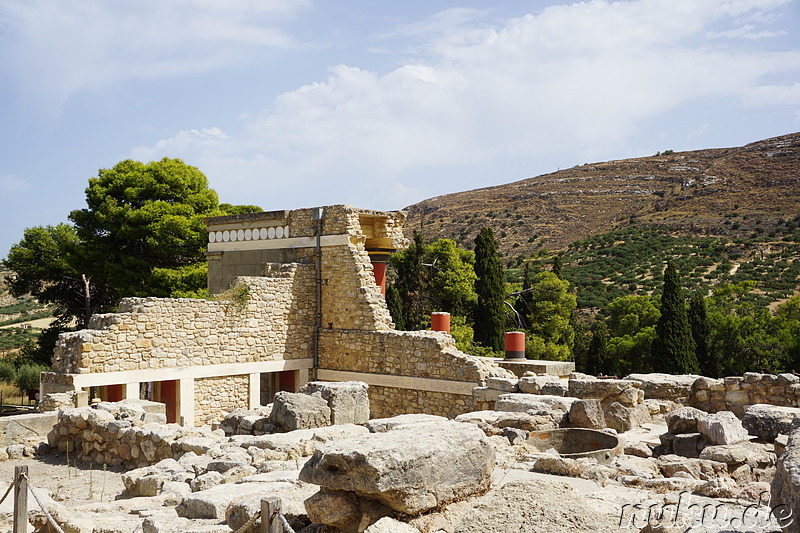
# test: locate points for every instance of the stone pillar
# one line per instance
(254, 391)
(300, 378)
(130, 391)
(186, 402)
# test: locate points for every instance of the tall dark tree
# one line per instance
(490, 315)
(596, 360)
(698, 321)
(673, 350)
(557, 266)
(410, 284)
(395, 304)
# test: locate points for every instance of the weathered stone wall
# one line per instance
(275, 322)
(408, 354)
(737, 393)
(392, 401)
(216, 395)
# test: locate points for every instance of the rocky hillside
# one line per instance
(732, 192)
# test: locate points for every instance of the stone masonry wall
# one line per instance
(276, 322)
(392, 401)
(737, 393)
(216, 395)
(415, 354)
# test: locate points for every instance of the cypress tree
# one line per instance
(673, 350)
(557, 266)
(597, 355)
(698, 321)
(490, 286)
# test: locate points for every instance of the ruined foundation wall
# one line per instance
(737, 393)
(393, 401)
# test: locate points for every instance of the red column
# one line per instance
(440, 322)
(515, 345)
(379, 271)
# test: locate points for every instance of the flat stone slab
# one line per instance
(664, 386)
(551, 368)
(768, 421)
(522, 403)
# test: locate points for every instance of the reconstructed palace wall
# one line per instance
(217, 352)
(276, 321)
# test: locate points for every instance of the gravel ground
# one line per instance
(71, 486)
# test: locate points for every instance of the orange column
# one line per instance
(379, 271)
(440, 322)
(515, 345)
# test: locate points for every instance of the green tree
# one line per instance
(551, 306)
(557, 265)
(27, 377)
(631, 324)
(673, 348)
(44, 265)
(142, 230)
(698, 321)
(596, 356)
(743, 335)
(490, 286)
(410, 282)
(787, 326)
(451, 278)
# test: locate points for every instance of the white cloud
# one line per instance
(56, 48)
(575, 78)
(11, 186)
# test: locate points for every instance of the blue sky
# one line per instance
(289, 104)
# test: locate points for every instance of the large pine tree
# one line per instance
(490, 315)
(673, 350)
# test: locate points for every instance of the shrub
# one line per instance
(7, 372)
(28, 377)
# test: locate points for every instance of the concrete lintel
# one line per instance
(194, 372)
(400, 382)
(278, 244)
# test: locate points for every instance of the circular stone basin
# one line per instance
(574, 443)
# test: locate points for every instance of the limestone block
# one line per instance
(697, 468)
(390, 525)
(213, 502)
(768, 421)
(381, 425)
(344, 510)
(587, 414)
(664, 386)
(684, 420)
(599, 388)
(291, 411)
(722, 428)
(409, 470)
(292, 494)
(533, 402)
(348, 401)
(636, 466)
(502, 384)
(688, 445)
(623, 418)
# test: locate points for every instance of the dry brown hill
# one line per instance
(724, 191)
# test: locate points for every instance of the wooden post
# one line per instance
(269, 520)
(20, 499)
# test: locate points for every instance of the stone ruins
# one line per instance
(292, 383)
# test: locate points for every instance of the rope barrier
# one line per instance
(286, 527)
(46, 514)
(249, 523)
(11, 486)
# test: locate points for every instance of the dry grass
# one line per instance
(11, 394)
